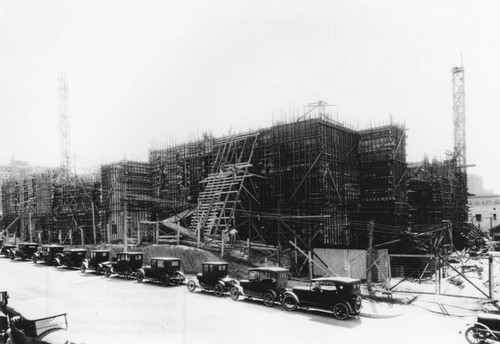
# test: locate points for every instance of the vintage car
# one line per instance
(71, 258)
(213, 276)
(47, 254)
(35, 318)
(166, 270)
(23, 250)
(341, 295)
(93, 263)
(6, 249)
(125, 264)
(266, 283)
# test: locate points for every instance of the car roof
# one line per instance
(75, 249)
(269, 268)
(132, 253)
(336, 279)
(101, 251)
(166, 258)
(52, 245)
(215, 263)
(27, 243)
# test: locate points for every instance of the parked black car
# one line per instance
(125, 264)
(166, 270)
(267, 283)
(93, 263)
(47, 254)
(213, 276)
(7, 249)
(341, 295)
(23, 250)
(33, 319)
(71, 257)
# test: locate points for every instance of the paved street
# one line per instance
(112, 310)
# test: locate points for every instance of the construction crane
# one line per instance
(64, 123)
(459, 137)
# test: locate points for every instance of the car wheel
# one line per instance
(289, 303)
(268, 299)
(218, 290)
(107, 272)
(164, 280)
(357, 305)
(191, 285)
(340, 311)
(99, 271)
(126, 274)
(83, 268)
(475, 335)
(139, 276)
(234, 293)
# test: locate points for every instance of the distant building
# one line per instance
(484, 213)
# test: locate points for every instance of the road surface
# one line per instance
(114, 310)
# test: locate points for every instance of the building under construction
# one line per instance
(313, 181)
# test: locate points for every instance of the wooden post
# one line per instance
(93, 223)
(60, 237)
(369, 259)
(108, 230)
(438, 275)
(222, 244)
(81, 236)
(29, 227)
(178, 234)
(157, 234)
(490, 276)
(138, 232)
(71, 237)
(125, 239)
(249, 230)
(296, 256)
(309, 259)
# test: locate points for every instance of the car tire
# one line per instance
(218, 290)
(357, 305)
(126, 274)
(268, 299)
(191, 285)
(164, 280)
(289, 303)
(139, 277)
(107, 272)
(83, 268)
(234, 293)
(475, 335)
(340, 311)
(99, 271)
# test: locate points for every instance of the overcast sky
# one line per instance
(144, 71)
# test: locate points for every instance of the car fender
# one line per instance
(179, 274)
(240, 289)
(141, 270)
(351, 308)
(486, 328)
(275, 294)
(292, 294)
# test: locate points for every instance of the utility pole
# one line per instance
(93, 223)
(369, 260)
(124, 209)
